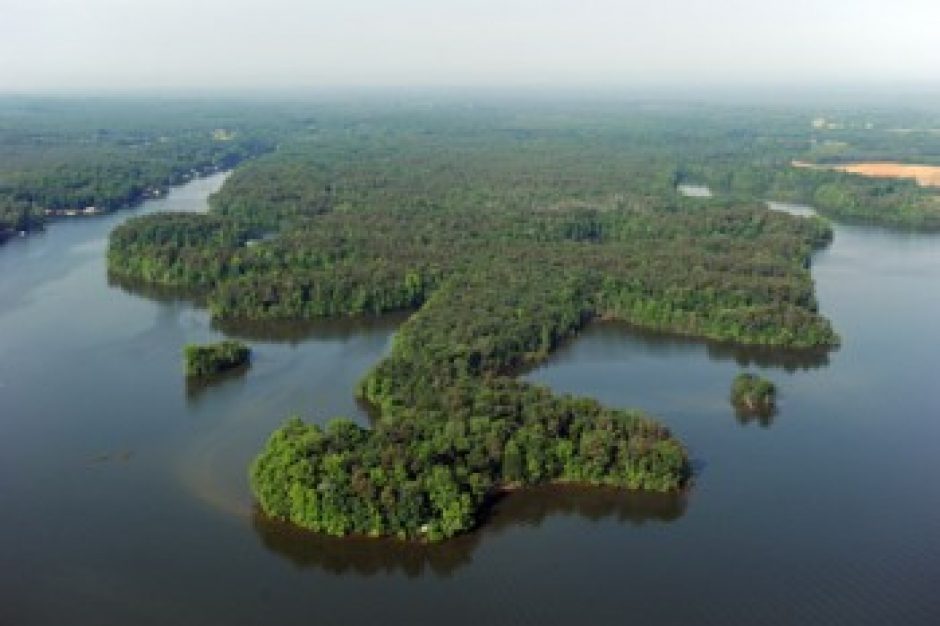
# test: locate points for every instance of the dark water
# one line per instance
(124, 497)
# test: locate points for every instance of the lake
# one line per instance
(125, 493)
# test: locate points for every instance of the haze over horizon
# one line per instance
(145, 45)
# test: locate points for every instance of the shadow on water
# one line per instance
(197, 386)
(651, 341)
(530, 508)
(662, 343)
(297, 331)
(763, 416)
(764, 419)
(269, 331)
(788, 360)
(157, 293)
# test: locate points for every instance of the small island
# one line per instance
(751, 393)
(207, 360)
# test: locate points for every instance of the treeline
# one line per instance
(506, 244)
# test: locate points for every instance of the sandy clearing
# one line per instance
(925, 175)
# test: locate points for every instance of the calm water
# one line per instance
(124, 494)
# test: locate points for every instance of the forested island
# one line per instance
(505, 243)
(204, 361)
(751, 393)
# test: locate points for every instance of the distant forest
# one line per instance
(63, 157)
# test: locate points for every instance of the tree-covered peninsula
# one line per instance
(207, 360)
(503, 244)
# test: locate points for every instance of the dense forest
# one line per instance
(505, 242)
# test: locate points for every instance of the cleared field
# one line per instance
(925, 175)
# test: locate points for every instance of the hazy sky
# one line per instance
(185, 44)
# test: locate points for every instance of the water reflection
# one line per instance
(664, 344)
(196, 386)
(530, 507)
(790, 360)
(652, 342)
(763, 416)
(298, 331)
(274, 331)
(155, 292)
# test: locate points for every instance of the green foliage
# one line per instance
(215, 358)
(751, 392)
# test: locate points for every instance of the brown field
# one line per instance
(925, 175)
